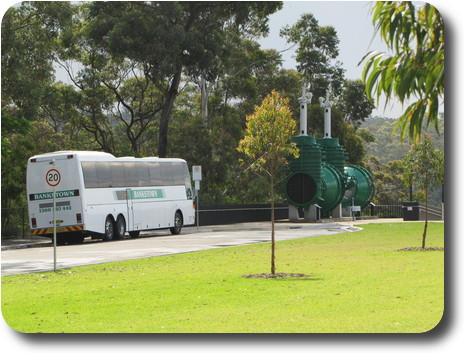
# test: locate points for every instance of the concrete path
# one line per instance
(158, 243)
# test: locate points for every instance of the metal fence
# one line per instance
(396, 209)
(434, 213)
(392, 209)
(228, 214)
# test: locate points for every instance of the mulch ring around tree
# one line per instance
(277, 275)
(422, 249)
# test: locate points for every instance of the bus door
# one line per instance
(130, 210)
(144, 210)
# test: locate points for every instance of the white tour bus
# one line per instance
(99, 195)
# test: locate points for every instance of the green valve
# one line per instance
(319, 176)
(362, 189)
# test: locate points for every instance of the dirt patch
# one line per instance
(277, 275)
(422, 249)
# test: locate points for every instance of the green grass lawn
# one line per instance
(360, 284)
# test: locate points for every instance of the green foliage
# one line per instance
(353, 102)
(267, 144)
(385, 153)
(169, 40)
(360, 284)
(388, 180)
(415, 33)
(29, 40)
(316, 53)
(14, 146)
(268, 134)
(389, 147)
(424, 164)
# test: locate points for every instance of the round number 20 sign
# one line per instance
(53, 177)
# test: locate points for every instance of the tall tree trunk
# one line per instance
(170, 97)
(424, 235)
(204, 100)
(272, 226)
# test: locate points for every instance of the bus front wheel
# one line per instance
(109, 229)
(178, 222)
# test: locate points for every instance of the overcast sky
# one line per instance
(353, 23)
(351, 19)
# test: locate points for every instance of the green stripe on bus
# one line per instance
(146, 194)
(49, 195)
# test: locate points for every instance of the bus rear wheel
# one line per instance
(178, 222)
(120, 228)
(109, 229)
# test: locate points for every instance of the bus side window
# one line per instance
(143, 174)
(155, 174)
(117, 174)
(178, 173)
(186, 176)
(130, 173)
(90, 174)
(186, 181)
(167, 173)
(103, 171)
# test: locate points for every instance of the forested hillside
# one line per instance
(384, 158)
(389, 147)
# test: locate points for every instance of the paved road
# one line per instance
(40, 259)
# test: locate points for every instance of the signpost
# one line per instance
(53, 178)
(196, 176)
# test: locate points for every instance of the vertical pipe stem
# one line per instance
(303, 118)
(327, 124)
(304, 100)
(327, 105)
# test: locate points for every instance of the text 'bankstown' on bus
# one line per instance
(101, 196)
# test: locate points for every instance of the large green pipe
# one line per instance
(362, 188)
(312, 181)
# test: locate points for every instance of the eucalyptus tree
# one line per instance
(316, 54)
(29, 41)
(353, 102)
(173, 39)
(117, 102)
